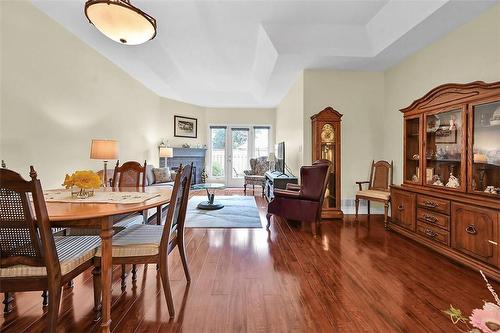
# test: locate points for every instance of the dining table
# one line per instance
(86, 214)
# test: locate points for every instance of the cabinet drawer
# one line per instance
(433, 218)
(403, 209)
(435, 204)
(436, 234)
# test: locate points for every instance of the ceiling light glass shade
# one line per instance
(120, 21)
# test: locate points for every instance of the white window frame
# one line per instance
(251, 145)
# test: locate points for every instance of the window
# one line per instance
(261, 143)
(218, 150)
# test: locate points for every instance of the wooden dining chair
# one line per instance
(129, 174)
(31, 257)
(145, 243)
(379, 187)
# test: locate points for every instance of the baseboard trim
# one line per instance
(349, 207)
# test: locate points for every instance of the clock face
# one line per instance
(327, 133)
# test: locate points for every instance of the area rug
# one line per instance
(238, 212)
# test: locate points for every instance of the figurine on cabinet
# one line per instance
(453, 182)
(436, 181)
(453, 125)
(492, 190)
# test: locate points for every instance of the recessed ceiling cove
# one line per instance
(248, 53)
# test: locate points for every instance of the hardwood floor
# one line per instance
(353, 277)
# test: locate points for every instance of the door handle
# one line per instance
(430, 204)
(431, 219)
(471, 229)
(430, 233)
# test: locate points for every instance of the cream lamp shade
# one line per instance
(104, 149)
(120, 21)
(166, 152)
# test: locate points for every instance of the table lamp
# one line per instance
(104, 150)
(166, 152)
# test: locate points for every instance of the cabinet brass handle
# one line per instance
(430, 233)
(429, 218)
(471, 229)
(431, 204)
(492, 242)
(400, 207)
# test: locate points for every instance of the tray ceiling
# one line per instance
(248, 53)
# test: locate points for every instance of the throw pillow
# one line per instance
(162, 175)
(150, 177)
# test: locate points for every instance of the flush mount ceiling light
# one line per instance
(121, 21)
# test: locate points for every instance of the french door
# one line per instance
(231, 148)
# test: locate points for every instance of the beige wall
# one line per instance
(359, 96)
(168, 109)
(289, 124)
(470, 53)
(57, 94)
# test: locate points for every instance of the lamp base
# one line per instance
(105, 180)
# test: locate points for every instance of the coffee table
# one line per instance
(210, 204)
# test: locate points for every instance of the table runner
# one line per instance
(99, 197)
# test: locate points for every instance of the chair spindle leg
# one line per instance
(123, 276)
(9, 298)
(45, 298)
(134, 272)
(96, 274)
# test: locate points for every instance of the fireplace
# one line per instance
(187, 156)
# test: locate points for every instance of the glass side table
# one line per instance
(210, 204)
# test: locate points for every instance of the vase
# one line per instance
(81, 193)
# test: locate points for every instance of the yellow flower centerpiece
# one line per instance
(82, 183)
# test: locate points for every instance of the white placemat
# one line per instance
(100, 197)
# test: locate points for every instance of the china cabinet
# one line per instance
(326, 145)
(450, 196)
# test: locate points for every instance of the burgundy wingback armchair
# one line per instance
(302, 202)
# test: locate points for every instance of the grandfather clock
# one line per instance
(326, 145)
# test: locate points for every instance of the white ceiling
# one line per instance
(248, 53)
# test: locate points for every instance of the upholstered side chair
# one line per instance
(31, 257)
(302, 202)
(145, 244)
(378, 187)
(255, 176)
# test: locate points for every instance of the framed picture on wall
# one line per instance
(185, 127)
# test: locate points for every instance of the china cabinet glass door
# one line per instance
(444, 149)
(486, 149)
(412, 150)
